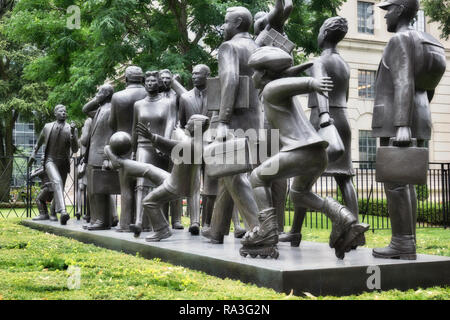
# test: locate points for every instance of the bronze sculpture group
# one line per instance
(145, 137)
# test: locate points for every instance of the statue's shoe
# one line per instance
(293, 238)
(98, 226)
(136, 229)
(213, 238)
(115, 222)
(64, 218)
(391, 253)
(177, 226)
(239, 233)
(194, 229)
(41, 217)
(159, 235)
(122, 230)
(402, 247)
(53, 218)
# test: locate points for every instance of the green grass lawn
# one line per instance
(33, 265)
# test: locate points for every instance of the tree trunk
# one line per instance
(7, 160)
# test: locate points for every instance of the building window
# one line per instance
(367, 149)
(24, 139)
(419, 23)
(365, 17)
(366, 84)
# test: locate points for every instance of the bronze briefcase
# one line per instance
(336, 148)
(228, 158)
(406, 165)
(105, 181)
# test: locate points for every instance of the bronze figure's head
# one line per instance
(134, 75)
(200, 74)
(152, 81)
(166, 79)
(269, 64)
(237, 20)
(398, 10)
(60, 112)
(333, 30)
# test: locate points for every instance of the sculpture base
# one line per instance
(311, 268)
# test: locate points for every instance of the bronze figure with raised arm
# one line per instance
(302, 156)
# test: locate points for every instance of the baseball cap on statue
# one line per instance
(411, 4)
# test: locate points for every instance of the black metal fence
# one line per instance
(433, 199)
(18, 191)
(17, 200)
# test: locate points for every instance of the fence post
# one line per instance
(447, 198)
(28, 204)
(444, 187)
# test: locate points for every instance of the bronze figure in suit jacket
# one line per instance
(103, 207)
(61, 140)
(401, 111)
(121, 119)
(195, 102)
(234, 54)
(82, 201)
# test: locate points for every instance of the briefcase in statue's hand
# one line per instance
(406, 165)
(227, 158)
(105, 181)
(336, 147)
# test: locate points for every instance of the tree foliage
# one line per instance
(439, 11)
(173, 34)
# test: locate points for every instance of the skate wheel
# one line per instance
(253, 255)
(275, 254)
(264, 257)
(242, 253)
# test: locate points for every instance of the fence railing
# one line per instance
(433, 199)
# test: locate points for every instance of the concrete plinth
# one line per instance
(311, 268)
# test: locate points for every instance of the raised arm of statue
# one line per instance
(279, 92)
(278, 16)
(177, 86)
(91, 106)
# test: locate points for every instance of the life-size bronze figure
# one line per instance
(275, 19)
(195, 102)
(103, 207)
(412, 65)
(121, 119)
(45, 195)
(233, 63)
(166, 88)
(333, 109)
(61, 140)
(180, 183)
(302, 156)
(160, 114)
(83, 201)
